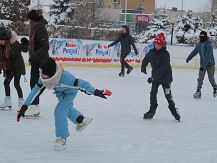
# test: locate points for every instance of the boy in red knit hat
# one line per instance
(159, 58)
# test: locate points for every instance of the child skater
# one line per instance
(126, 41)
(65, 86)
(159, 58)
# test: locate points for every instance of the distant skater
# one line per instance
(207, 63)
(126, 41)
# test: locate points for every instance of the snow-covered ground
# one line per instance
(118, 133)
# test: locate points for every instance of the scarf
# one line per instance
(54, 80)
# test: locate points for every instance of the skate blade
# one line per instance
(87, 124)
(6, 108)
(60, 148)
(34, 116)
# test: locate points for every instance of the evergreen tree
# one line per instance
(62, 11)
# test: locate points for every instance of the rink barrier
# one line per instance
(96, 54)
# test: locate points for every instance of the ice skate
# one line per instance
(59, 144)
(7, 104)
(214, 92)
(197, 95)
(177, 115)
(33, 111)
(80, 127)
(121, 74)
(129, 70)
(148, 115)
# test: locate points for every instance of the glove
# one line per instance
(24, 40)
(102, 93)
(202, 69)
(150, 80)
(144, 70)
(21, 113)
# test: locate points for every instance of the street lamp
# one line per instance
(172, 22)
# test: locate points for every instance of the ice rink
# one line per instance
(118, 133)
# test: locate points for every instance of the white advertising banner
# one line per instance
(88, 51)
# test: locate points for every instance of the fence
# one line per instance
(75, 52)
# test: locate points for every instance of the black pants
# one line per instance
(7, 82)
(124, 64)
(167, 93)
(34, 79)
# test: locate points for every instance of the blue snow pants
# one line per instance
(64, 111)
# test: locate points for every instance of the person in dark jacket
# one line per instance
(38, 50)
(126, 41)
(159, 58)
(12, 64)
(207, 63)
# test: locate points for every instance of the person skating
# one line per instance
(126, 41)
(38, 51)
(207, 63)
(159, 58)
(66, 87)
(12, 64)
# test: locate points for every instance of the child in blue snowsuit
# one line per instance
(66, 87)
(207, 63)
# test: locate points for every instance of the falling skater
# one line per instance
(159, 58)
(66, 87)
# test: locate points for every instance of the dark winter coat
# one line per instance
(39, 44)
(126, 41)
(12, 60)
(160, 63)
(205, 50)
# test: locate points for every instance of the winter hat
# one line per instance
(160, 39)
(4, 34)
(203, 36)
(126, 27)
(35, 15)
(49, 67)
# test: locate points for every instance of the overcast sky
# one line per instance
(195, 5)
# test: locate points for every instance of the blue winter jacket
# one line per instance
(206, 54)
(68, 86)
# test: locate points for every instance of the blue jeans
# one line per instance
(64, 110)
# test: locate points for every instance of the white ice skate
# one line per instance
(7, 104)
(59, 144)
(80, 127)
(33, 111)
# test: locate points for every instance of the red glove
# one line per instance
(102, 93)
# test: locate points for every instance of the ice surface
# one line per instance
(118, 133)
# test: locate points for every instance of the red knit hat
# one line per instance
(160, 39)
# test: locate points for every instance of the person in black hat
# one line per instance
(12, 64)
(207, 63)
(38, 50)
(65, 86)
(126, 41)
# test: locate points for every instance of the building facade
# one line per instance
(147, 5)
(214, 5)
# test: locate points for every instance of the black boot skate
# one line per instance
(197, 95)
